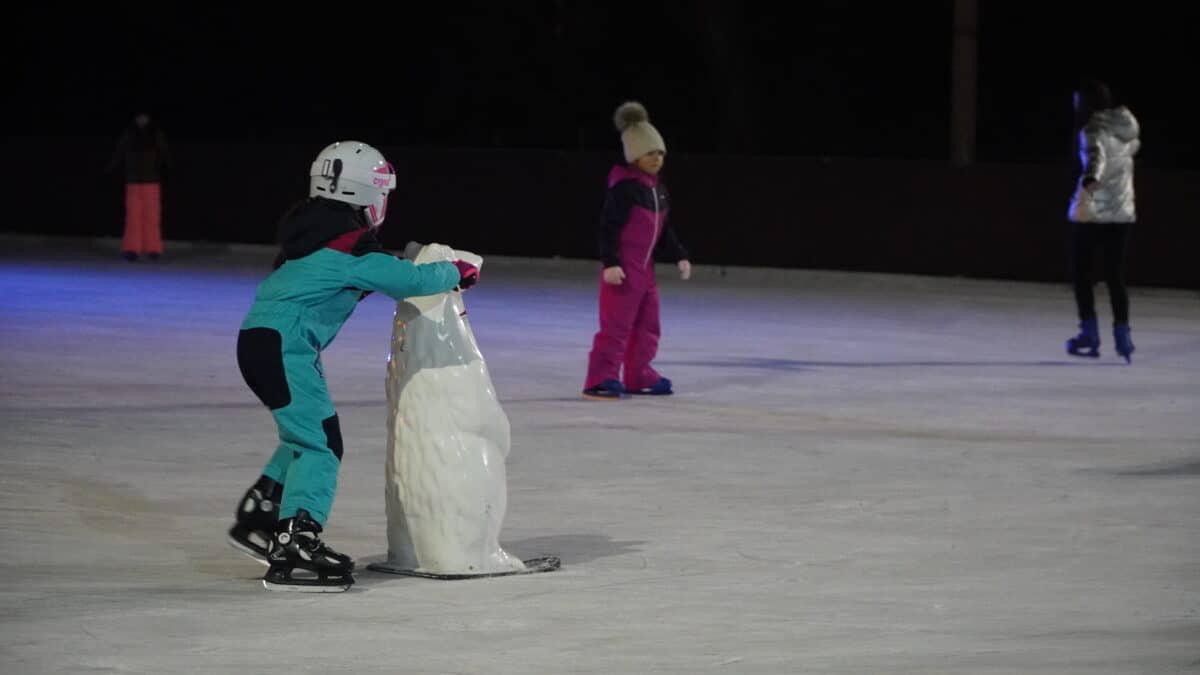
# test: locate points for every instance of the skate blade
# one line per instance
(597, 397)
(251, 553)
(532, 566)
(307, 588)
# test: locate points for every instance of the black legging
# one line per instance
(1111, 238)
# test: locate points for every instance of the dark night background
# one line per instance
(822, 124)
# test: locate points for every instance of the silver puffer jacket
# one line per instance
(1107, 144)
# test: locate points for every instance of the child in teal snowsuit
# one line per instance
(330, 259)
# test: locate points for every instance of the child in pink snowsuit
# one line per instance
(633, 232)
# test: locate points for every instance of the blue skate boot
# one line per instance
(608, 390)
(1087, 343)
(660, 388)
(1123, 341)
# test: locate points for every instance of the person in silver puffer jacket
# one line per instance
(1107, 145)
(1101, 212)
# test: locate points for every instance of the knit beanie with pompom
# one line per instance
(637, 134)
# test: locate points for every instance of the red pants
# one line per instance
(628, 335)
(143, 218)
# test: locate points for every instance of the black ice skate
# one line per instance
(256, 518)
(300, 561)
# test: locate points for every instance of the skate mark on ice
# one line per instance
(1187, 467)
(574, 399)
(576, 548)
(122, 511)
(717, 419)
(117, 509)
(139, 407)
(793, 364)
(653, 581)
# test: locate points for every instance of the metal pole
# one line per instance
(964, 76)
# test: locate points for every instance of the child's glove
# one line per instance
(469, 274)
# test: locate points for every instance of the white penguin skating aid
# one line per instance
(448, 439)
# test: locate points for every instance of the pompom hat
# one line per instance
(637, 134)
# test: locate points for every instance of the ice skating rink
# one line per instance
(859, 474)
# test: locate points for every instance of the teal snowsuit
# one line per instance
(297, 312)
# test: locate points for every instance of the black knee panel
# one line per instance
(260, 358)
(333, 435)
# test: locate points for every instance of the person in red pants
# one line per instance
(142, 150)
(633, 234)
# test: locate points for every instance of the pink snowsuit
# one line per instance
(143, 218)
(633, 228)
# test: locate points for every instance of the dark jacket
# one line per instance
(143, 152)
(318, 223)
(634, 230)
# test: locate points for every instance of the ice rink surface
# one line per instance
(858, 474)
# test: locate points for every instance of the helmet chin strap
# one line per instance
(371, 214)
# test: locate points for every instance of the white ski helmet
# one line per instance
(355, 173)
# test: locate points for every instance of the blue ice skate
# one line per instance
(1123, 341)
(660, 388)
(1087, 343)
